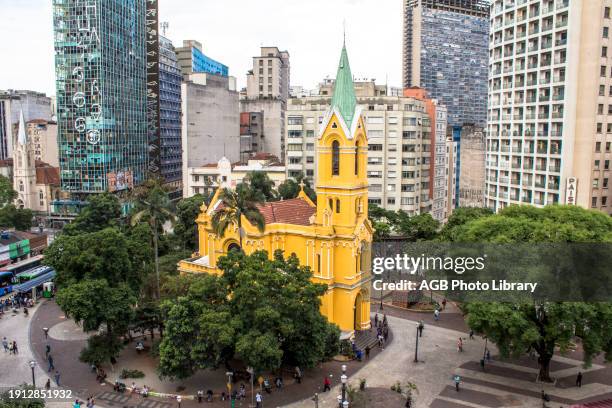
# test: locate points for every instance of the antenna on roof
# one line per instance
(344, 32)
(164, 26)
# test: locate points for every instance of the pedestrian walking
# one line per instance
(57, 377)
(50, 361)
(48, 384)
(367, 352)
(376, 320)
(471, 334)
(326, 384)
(10, 347)
(444, 304)
(488, 355)
(386, 333)
(298, 375)
(46, 331)
(460, 345)
(457, 380)
(436, 315)
(381, 341)
(47, 350)
(5, 344)
(579, 380)
(200, 396)
(420, 328)
(258, 399)
(384, 320)
(15, 349)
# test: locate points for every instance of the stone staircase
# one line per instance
(365, 338)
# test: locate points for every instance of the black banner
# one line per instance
(153, 121)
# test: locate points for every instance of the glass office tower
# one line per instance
(100, 68)
(446, 51)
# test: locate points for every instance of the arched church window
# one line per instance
(357, 158)
(335, 158)
(20, 185)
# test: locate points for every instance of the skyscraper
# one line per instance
(549, 132)
(170, 117)
(446, 52)
(100, 68)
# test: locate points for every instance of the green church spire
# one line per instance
(344, 93)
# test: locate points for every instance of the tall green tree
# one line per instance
(155, 209)
(540, 326)
(18, 218)
(234, 204)
(265, 312)
(107, 254)
(290, 188)
(102, 211)
(420, 227)
(97, 305)
(262, 186)
(7, 193)
(186, 229)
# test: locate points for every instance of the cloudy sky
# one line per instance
(231, 31)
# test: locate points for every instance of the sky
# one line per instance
(231, 31)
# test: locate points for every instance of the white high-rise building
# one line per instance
(549, 129)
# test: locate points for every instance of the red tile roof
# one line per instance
(47, 174)
(294, 211)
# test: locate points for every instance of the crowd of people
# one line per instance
(15, 303)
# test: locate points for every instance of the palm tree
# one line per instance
(235, 204)
(155, 208)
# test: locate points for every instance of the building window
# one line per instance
(607, 12)
(357, 158)
(600, 109)
(602, 70)
(604, 201)
(319, 264)
(604, 52)
(337, 205)
(391, 201)
(20, 185)
(335, 158)
(598, 147)
(605, 32)
(594, 202)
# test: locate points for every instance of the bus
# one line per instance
(32, 274)
(6, 283)
(23, 266)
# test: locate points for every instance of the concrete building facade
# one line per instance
(400, 160)
(34, 105)
(251, 134)
(549, 132)
(267, 91)
(470, 167)
(445, 51)
(211, 121)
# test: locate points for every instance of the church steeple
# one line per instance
(344, 99)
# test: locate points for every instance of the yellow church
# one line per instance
(333, 237)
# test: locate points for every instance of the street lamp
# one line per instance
(342, 402)
(32, 366)
(416, 346)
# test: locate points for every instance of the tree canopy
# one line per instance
(186, 229)
(520, 327)
(290, 188)
(264, 311)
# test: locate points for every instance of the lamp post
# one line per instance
(32, 366)
(342, 402)
(416, 345)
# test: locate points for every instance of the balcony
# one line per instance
(559, 97)
(539, 184)
(541, 167)
(553, 186)
(543, 115)
(554, 169)
(546, 44)
(557, 115)
(561, 42)
(544, 98)
(562, 4)
(562, 23)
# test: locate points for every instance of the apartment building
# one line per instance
(267, 91)
(549, 128)
(401, 161)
